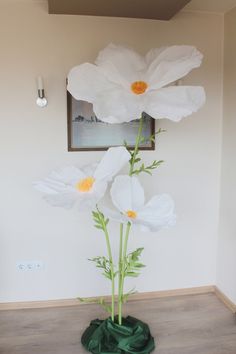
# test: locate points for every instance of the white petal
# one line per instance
(49, 186)
(172, 64)
(82, 200)
(121, 65)
(127, 193)
(153, 54)
(88, 204)
(113, 215)
(112, 162)
(118, 106)
(174, 102)
(64, 200)
(60, 181)
(68, 175)
(157, 213)
(88, 200)
(86, 81)
(44, 187)
(98, 191)
(89, 170)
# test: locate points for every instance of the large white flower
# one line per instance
(123, 84)
(128, 196)
(84, 187)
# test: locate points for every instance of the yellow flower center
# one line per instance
(139, 87)
(85, 185)
(131, 214)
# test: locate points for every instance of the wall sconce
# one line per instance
(41, 99)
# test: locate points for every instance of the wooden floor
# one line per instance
(196, 324)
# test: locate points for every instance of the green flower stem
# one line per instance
(121, 285)
(112, 272)
(123, 250)
(120, 274)
(138, 138)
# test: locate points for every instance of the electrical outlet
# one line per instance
(29, 266)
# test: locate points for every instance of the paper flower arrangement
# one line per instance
(83, 187)
(122, 85)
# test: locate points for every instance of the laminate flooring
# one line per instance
(195, 324)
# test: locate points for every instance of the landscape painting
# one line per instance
(86, 132)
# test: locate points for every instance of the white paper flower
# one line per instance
(123, 84)
(84, 187)
(128, 197)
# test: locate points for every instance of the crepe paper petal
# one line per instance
(128, 197)
(118, 106)
(65, 200)
(127, 193)
(59, 181)
(158, 213)
(90, 169)
(113, 214)
(172, 64)
(83, 187)
(90, 199)
(121, 65)
(175, 102)
(67, 174)
(98, 190)
(112, 162)
(153, 54)
(86, 81)
(123, 84)
(51, 186)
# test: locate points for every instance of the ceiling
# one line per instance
(220, 6)
(150, 9)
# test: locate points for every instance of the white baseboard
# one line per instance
(134, 297)
(221, 296)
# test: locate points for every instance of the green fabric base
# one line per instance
(108, 337)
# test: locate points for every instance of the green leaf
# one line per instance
(99, 220)
(103, 263)
(139, 265)
(104, 305)
(149, 168)
(132, 274)
(100, 301)
(87, 300)
(98, 227)
(133, 265)
(126, 296)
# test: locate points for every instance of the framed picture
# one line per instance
(87, 133)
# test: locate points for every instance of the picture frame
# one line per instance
(87, 133)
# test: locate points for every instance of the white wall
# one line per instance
(226, 270)
(33, 141)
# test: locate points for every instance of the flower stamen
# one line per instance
(131, 214)
(139, 87)
(85, 184)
